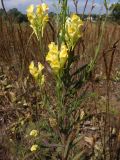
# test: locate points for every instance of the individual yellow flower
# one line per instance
(71, 31)
(52, 47)
(53, 52)
(34, 148)
(44, 7)
(31, 18)
(75, 18)
(30, 9)
(63, 55)
(39, 10)
(33, 70)
(57, 58)
(30, 13)
(34, 133)
(55, 65)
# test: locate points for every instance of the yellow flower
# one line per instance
(31, 17)
(44, 7)
(71, 31)
(39, 10)
(30, 13)
(76, 19)
(52, 47)
(53, 52)
(34, 133)
(33, 70)
(36, 72)
(55, 65)
(42, 80)
(30, 9)
(63, 55)
(57, 58)
(34, 148)
(63, 52)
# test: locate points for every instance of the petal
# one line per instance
(30, 9)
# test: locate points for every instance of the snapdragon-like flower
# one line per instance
(73, 30)
(36, 72)
(34, 133)
(57, 58)
(34, 148)
(38, 18)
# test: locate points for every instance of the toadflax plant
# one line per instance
(58, 128)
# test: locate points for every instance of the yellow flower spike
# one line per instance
(73, 30)
(44, 7)
(34, 133)
(57, 58)
(36, 72)
(34, 148)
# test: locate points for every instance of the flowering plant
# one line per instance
(59, 110)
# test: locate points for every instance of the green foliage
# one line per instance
(1, 12)
(115, 11)
(16, 15)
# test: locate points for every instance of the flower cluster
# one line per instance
(38, 19)
(36, 72)
(57, 58)
(73, 30)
